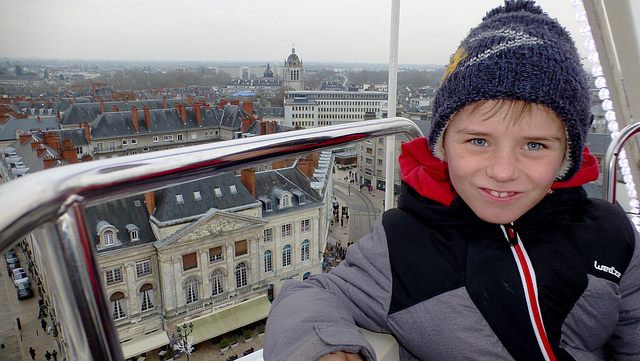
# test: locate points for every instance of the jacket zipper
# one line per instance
(528, 278)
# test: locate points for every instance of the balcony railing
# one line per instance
(55, 199)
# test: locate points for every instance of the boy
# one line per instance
(494, 252)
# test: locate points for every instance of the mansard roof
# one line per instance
(215, 192)
(272, 184)
(88, 112)
(10, 126)
(165, 120)
(121, 214)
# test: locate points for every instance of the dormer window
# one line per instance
(285, 201)
(197, 195)
(233, 189)
(108, 234)
(137, 203)
(134, 232)
(179, 198)
(283, 196)
(266, 203)
(300, 196)
(217, 191)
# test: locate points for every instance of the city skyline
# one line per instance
(355, 31)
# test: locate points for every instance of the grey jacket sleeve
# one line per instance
(312, 318)
(625, 341)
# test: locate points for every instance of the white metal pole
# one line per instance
(392, 87)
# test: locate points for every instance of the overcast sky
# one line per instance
(246, 30)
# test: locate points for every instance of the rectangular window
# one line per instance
(241, 248)
(189, 261)
(286, 230)
(155, 139)
(268, 235)
(124, 142)
(179, 198)
(167, 137)
(305, 226)
(113, 276)
(215, 254)
(379, 161)
(143, 268)
(369, 150)
(197, 195)
(134, 141)
(179, 136)
(233, 189)
(99, 147)
(112, 145)
(217, 191)
(145, 149)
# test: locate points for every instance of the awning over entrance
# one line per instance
(144, 344)
(229, 319)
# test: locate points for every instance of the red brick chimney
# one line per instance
(52, 140)
(150, 201)
(248, 107)
(58, 117)
(50, 161)
(86, 157)
(197, 108)
(316, 159)
(190, 100)
(279, 164)
(246, 123)
(68, 152)
(183, 113)
(235, 102)
(222, 104)
(87, 132)
(164, 102)
(305, 166)
(47, 103)
(147, 117)
(40, 150)
(101, 106)
(248, 179)
(271, 127)
(134, 118)
(38, 119)
(263, 128)
(24, 138)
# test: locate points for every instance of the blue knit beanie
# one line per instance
(519, 53)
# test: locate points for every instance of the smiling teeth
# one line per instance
(501, 194)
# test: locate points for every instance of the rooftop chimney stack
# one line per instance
(248, 179)
(134, 118)
(147, 117)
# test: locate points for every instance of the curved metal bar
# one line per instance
(109, 179)
(611, 159)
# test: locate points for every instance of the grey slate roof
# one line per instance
(168, 209)
(88, 112)
(261, 111)
(122, 214)
(271, 183)
(254, 128)
(165, 120)
(10, 126)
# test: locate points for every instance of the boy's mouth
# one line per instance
(501, 194)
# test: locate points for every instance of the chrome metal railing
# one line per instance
(51, 203)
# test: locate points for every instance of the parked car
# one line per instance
(19, 276)
(24, 291)
(11, 257)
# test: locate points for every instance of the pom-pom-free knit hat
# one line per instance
(519, 53)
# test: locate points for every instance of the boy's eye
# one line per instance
(534, 146)
(479, 141)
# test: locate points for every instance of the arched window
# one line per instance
(118, 310)
(268, 264)
(241, 275)
(286, 256)
(108, 238)
(146, 297)
(191, 291)
(304, 252)
(217, 280)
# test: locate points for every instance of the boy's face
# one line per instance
(501, 166)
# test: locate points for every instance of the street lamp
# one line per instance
(185, 340)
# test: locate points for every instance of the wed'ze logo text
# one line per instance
(603, 268)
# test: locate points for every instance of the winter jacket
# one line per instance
(562, 282)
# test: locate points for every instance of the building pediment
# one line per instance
(212, 224)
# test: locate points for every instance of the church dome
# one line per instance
(293, 59)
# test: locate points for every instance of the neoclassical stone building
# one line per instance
(209, 251)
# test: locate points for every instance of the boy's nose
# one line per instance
(503, 166)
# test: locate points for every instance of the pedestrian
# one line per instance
(43, 323)
(54, 353)
(32, 352)
(47, 355)
(495, 250)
